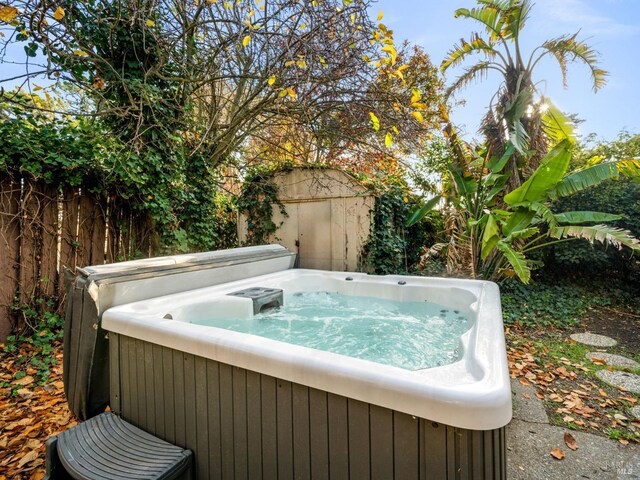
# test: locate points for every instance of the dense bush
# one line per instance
(621, 196)
(393, 248)
(181, 197)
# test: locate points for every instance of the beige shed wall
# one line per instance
(328, 222)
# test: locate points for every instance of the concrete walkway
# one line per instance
(530, 440)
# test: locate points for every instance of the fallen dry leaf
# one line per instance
(557, 454)
(29, 457)
(28, 380)
(570, 441)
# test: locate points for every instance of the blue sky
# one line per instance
(611, 26)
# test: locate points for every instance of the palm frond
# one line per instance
(460, 52)
(594, 175)
(477, 72)
(434, 251)
(489, 15)
(515, 18)
(599, 233)
(567, 48)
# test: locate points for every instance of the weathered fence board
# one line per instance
(44, 228)
(10, 249)
(30, 240)
(48, 268)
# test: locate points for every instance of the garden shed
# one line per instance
(328, 217)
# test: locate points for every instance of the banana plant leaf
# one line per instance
(419, 213)
(551, 171)
(586, 217)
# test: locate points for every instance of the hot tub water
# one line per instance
(409, 335)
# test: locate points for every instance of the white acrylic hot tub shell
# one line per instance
(472, 393)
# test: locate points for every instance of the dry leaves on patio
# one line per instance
(29, 414)
(577, 399)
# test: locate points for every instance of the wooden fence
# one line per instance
(44, 229)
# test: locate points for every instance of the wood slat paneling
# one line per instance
(244, 425)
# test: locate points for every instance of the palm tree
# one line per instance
(517, 113)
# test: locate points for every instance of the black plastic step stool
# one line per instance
(107, 447)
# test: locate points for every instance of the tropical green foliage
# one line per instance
(493, 232)
(621, 196)
(518, 106)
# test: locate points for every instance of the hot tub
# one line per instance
(256, 407)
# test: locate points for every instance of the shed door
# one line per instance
(314, 234)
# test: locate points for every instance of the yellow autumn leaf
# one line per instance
(301, 64)
(380, 15)
(418, 116)
(392, 52)
(246, 40)
(292, 93)
(374, 121)
(7, 13)
(80, 53)
(59, 13)
(395, 130)
(415, 95)
(150, 23)
(388, 139)
(272, 80)
(227, 5)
